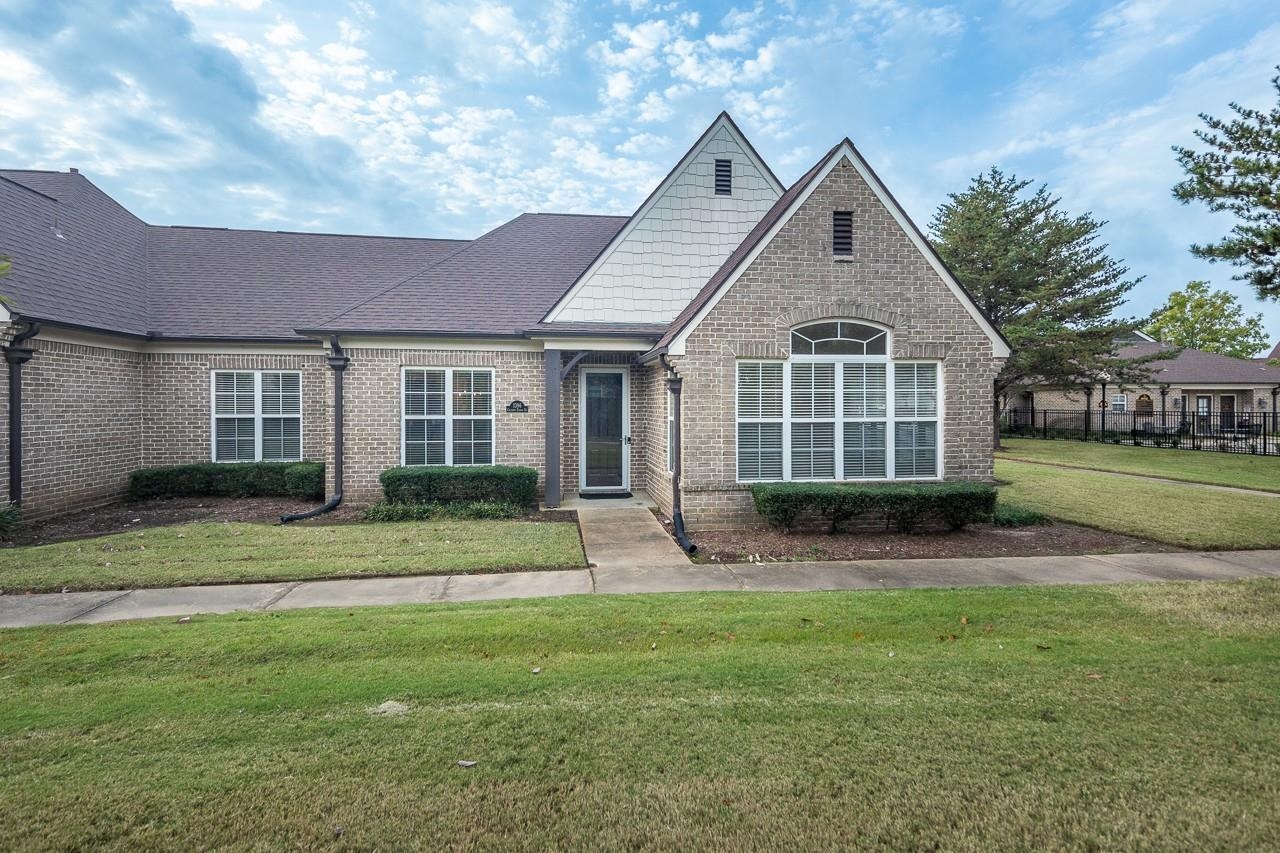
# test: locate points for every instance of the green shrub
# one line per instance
(227, 480)
(1013, 515)
(8, 519)
(305, 481)
(441, 484)
(903, 506)
(422, 512)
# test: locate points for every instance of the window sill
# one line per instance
(844, 259)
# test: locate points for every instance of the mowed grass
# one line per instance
(1132, 717)
(1244, 471)
(214, 552)
(1185, 515)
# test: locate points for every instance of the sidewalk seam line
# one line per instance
(277, 598)
(444, 589)
(97, 606)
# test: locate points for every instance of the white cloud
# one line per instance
(618, 86)
(284, 33)
(642, 143)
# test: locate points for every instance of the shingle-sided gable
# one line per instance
(889, 251)
(678, 237)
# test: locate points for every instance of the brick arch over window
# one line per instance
(905, 343)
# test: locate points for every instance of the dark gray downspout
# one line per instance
(338, 361)
(674, 384)
(17, 355)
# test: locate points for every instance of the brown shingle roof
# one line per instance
(80, 258)
(1196, 367)
(500, 284)
(226, 283)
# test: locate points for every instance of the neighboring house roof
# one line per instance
(499, 284)
(777, 216)
(1275, 353)
(1196, 367)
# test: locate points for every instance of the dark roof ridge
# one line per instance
(309, 233)
(23, 186)
(584, 215)
(389, 288)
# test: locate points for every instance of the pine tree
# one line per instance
(1043, 277)
(1240, 175)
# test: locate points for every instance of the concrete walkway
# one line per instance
(82, 607)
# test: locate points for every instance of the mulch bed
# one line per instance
(982, 540)
(123, 517)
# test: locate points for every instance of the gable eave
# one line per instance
(723, 120)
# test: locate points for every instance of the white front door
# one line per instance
(604, 429)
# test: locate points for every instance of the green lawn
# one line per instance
(1178, 514)
(214, 552)
(1121, 717)
(1194, 466)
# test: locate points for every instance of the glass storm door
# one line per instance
(604, 454)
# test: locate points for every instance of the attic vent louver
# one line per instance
(842, 232)
(724, 177)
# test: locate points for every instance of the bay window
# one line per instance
(257, 416)
(447, 416)
(839, 409)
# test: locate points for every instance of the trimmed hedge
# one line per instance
(471, 510)
(8, 519)
(303, 480)
(440, 484)
(902, 505)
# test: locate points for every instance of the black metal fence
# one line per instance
(1222, 431)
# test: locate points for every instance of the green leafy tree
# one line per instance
(1043, 277)
(1198, 318)
(1240, 174)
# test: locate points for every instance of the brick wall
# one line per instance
(372, 402)
(176, 402)
(796, 279)
(81, 409)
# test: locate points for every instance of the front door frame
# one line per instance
(582, 428)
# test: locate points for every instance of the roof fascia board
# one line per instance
(722, 121)
(1000, 347)
(373, 340)
(599, 344)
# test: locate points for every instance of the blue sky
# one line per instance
(446, 118)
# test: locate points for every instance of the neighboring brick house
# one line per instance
(803, 333)
(1188, 385)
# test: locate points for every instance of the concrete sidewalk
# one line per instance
(83, 607)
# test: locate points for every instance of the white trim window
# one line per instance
(1120, 402)
(256, 415)
(447, 416)
(840, 420)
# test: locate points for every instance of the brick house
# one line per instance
(730, 331)
(1184, 385)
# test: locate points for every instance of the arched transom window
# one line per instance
(839, 337)
(839, 409)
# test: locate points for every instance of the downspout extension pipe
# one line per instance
(17, 354)
(338, 361)
(674, 384)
